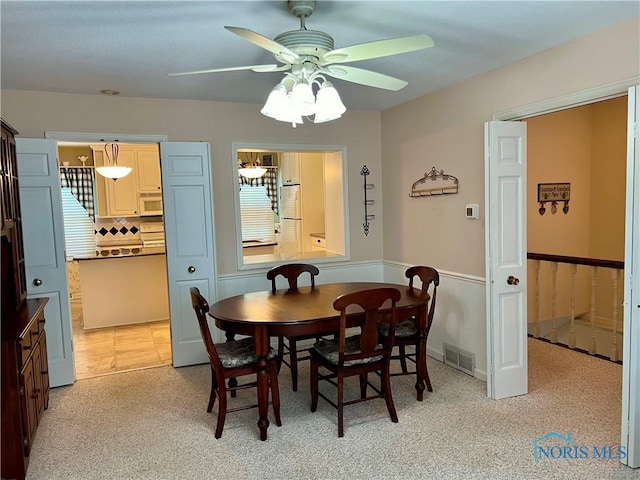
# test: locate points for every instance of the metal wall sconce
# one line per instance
(554, 193)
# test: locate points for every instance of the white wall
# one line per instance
(445, 130)
(220, 124)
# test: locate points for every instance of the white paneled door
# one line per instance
(188, 217)
(506, 252)
(631, 352)
(42, 224)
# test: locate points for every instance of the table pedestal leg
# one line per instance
(262, 350)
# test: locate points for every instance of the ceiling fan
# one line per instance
(309, 55)
(314, 50)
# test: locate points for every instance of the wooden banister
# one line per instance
(592, 262)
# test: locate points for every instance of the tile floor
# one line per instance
(117, 349)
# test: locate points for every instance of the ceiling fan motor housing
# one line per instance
(306, 42)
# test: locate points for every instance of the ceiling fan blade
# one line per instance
(280, 51)
(364, 77)
(377, 49)
(255, 68)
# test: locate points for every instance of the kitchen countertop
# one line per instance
(143, 252)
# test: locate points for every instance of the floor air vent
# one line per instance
(460, 359)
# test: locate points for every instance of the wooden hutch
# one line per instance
(25, 370)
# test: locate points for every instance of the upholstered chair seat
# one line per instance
(240, 352)
(330, 349)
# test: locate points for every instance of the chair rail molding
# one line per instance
(459, 318)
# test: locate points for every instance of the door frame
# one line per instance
(576, 99)
(62, 137)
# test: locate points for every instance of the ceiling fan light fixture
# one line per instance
(277, 101)
(329, 105)
(288, 114)
(303, 99)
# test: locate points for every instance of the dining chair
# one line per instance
(406, 332)
(292, 272)
(356, 355)
(230, 360)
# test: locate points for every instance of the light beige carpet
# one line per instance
(152, 424)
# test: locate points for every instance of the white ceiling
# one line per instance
(87, 46)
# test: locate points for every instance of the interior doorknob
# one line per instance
(37, 282)
(191, 269)
(511, 280)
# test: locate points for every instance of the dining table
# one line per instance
(307, 311)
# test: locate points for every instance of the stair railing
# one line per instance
(573, 263)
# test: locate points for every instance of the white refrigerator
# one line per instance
(291, 221)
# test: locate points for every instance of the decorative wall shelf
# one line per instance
(367, 186)
(443, 184)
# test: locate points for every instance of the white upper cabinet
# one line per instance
(116, 198)
(120, 198)
(290, 168)
(148, 163)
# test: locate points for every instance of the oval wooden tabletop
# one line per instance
(304, 306)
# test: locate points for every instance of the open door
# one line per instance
(43, 229)
(506, 257)
(630, 437)
(191, 259)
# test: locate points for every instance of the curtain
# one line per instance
(80, 181)
(269, 180)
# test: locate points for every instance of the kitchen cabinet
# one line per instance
(290, 167)
(148, 166)
(318, 242)
(25, 384)
(122, 198)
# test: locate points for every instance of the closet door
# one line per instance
(189, 233)
(43, 229)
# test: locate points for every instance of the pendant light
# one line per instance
(251, 170)
(111, 169)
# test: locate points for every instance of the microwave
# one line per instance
(150, 203)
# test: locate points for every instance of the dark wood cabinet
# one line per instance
(25, 384)
(24, 368)
(14, 284)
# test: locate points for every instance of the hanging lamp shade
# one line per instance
(111, 169)
(329, 106)
(252, 172)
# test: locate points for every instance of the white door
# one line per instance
(631, 354)
(188, 217)
(42, 224)
(506, 253)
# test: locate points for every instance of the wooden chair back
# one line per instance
(201, 307)
(292, 272)
(370, 300)
(430, 280)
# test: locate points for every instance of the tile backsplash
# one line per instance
(123, 229)
(118, 229)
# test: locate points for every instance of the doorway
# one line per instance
(585, 147)
(630, 373)
(120, 257)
